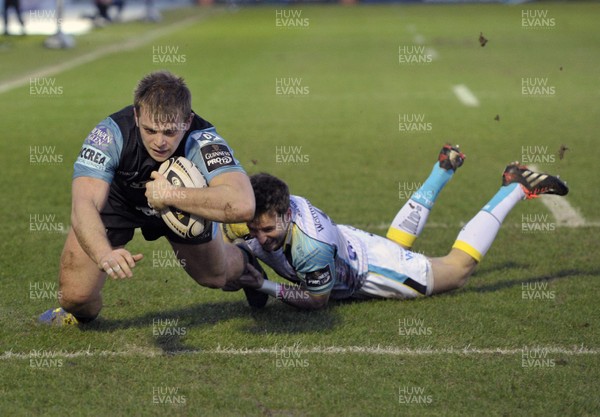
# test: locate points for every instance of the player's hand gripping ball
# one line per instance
(182, 172)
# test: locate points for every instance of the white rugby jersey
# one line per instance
(318, 254)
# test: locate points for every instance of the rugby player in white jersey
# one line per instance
(324, 260)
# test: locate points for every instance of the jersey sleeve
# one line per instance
(211, 154)
(100, 153)
(314, 262)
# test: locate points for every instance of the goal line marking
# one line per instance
(326, 350)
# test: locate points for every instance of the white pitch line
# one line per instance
(564, 213)
(99, 53)
(330, 350)
(465, 96)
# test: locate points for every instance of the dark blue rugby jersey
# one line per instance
(114, 152)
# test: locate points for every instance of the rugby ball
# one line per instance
(182, 172)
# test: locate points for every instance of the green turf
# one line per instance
(353, 163)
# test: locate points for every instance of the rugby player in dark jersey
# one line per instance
(116, 189)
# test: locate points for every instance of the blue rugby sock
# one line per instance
(410, 220)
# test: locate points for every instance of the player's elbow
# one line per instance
(240, 211)
(76, 214)
(247, 210)
(316, 302)
(319, 306)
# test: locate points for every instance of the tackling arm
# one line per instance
(298, 297)
(228, 199)
(291, 294)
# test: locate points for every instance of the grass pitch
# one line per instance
(320, 104)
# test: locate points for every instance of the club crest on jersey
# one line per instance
(93, 158)
(217, 156)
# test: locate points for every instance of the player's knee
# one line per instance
(451, 272)
(460, 274)
(462, 278)
(73, 297)
(462, 266)
(209, 280)
(83, 307)
(214, 284)
(70, 300)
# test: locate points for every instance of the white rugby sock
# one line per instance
(477, 236)
(408, 223)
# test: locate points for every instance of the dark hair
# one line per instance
(271, 194)
(162, 93)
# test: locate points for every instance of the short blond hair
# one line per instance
(162, 93)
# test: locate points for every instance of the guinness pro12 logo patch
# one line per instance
(217, 156)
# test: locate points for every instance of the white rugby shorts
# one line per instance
(394, 272)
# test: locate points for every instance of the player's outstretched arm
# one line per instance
(288, 293)
(298, 297)
(228, 198)
(89, 196)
